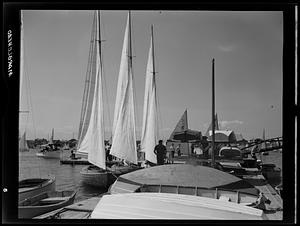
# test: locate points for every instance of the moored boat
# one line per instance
(91, 126)
(49, 154)
(34, 186)
(45, 202)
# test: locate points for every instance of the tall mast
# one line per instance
(213, 115)
(153, 61)
(129, 43)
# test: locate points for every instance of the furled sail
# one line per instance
(93, 139)
(23, 143)
(124, 137)
(182, 125)
(150, 119)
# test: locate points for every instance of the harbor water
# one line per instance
(68, 176)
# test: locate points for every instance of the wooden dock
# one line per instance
(70, 161)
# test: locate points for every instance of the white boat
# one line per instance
(44, 202)
(34, 186)
(146, 205)
(49, 154)
(50, 150)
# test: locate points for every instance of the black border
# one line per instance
(10, 100)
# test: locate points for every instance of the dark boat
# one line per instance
(45, 202)
(34, 186)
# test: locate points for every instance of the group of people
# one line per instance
(162, 154)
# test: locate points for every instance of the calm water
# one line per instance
(68, 177)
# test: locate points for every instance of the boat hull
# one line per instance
(49, 155)
(45, 202)
(34, 186)
(94, 177)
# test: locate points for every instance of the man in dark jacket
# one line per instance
(160, 150)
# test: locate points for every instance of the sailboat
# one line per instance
(91, 134)
(182, 134)
(50, 150)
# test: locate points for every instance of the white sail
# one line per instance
(150, 125)
(89, 89)
(93, 140)
(23, 143)
(124, 137)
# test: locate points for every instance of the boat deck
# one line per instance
(75, 161)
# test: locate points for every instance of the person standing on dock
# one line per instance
(178, 150)
(160, 151)
(172, 153)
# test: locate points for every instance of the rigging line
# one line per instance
(87, 84)
(105, 82)
(160, 121)
(131, 44)
(155, 83)
(30, 102)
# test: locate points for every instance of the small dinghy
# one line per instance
(33, 186)
(44, 203)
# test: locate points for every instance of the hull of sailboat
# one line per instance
(34, 186)
(49, 155)
(95, 177)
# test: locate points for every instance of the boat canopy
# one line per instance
(184, 175)
(171, 206)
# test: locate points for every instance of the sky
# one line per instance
(247, 47)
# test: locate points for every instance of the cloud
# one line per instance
(228, 48)
(228, 123)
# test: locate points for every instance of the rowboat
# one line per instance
(34, 186)
(45, 202)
